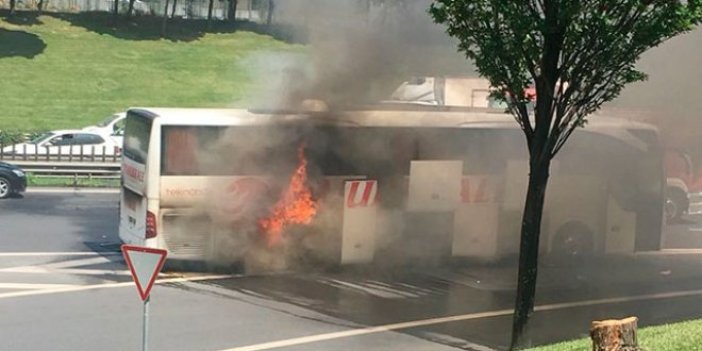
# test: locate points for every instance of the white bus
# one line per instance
(387, 181)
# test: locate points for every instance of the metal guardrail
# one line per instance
(71, 169)
(69, 153)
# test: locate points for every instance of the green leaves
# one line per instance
(591, 45)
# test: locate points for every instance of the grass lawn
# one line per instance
(684, 336)
(72, 70)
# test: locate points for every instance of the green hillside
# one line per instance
(67, 71)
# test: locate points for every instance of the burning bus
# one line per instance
(388, 182)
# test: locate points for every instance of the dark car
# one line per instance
(12, 180)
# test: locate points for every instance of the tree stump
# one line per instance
(614, 335)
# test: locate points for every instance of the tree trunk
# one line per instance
(614, 335)
(529, 246)
(173, 8)
(13, 4)
(115, 11)
(130, 9)
(210, 7)
(40, 7)
(164, 24)
(231, 11)
(271, 8)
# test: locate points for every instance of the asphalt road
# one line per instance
(63, 286)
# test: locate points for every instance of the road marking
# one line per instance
(109, 286)
(670, 252)
(78, 271)
(369, 289)
(69, 267)
(367, 330)
(695, 229)
(34, 286)
(33, 254)
(449, 319)
(77, 262)
(623, 299)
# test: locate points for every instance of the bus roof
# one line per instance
(391, 115)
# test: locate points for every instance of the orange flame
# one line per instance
(294, 207)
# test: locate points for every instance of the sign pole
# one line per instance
(144, 263)
(145, 340)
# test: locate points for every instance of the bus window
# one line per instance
(138, 133)
(364, 151)
(482, 150)
(185, 148)
(180, 148)
(218, 150)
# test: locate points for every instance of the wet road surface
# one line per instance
(61, 276)
(658, 289)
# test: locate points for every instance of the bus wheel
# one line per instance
(573, 239)
(676, 204)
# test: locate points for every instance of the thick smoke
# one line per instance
(669, 99)
(359, 51)
(358, 54)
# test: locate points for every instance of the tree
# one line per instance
(271, 9)
(173, 8)
(164, 22)
(130, 8)
(13, 4)
(40, 6)
(209, 14)
(115, 10)
(578, 54)
(231, 10)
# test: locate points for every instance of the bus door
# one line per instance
(359, 222)
(434, 196)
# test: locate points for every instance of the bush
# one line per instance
(8, 137)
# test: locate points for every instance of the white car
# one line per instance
(110, 124)
(68, 142)
(113, 126)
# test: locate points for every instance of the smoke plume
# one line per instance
(359, 51)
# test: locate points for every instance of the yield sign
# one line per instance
(144, 263)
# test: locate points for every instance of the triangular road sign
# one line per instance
(144, 263)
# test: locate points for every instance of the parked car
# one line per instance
(12, 180)
(68, 142)
(112, 125)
